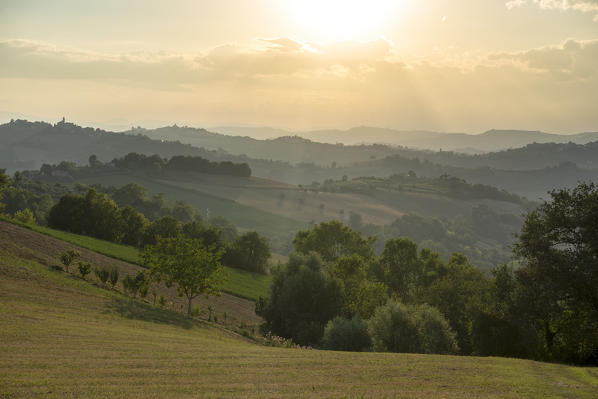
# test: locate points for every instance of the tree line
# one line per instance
(151, 164)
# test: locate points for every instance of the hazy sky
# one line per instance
(450, 65)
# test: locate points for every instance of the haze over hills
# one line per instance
(492, 140)
(529, 171)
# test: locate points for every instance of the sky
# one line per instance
(444, 65)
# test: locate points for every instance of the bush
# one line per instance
(411, 329)
(25, 216)
(347, 335)
(138, 284)
(114, 275)
(393, 330)
(436, 334)
(84, 269)
(129, 285)
(102, 274)
(69, 257)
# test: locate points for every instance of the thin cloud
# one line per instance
(579, 5)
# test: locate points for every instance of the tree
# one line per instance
(134, 226)
(94, 214)
(396, 327)
(138, 284)
(250, 251)
(208, 235)
(93, 161)
(68, 257)
(360, 296)
(302, 300)
(332, 240)
(558, 246)
(400, 267)
(460, 294)
(164, 227)
(84, 269)
(188, 264)
(4, 182)
(346, 335)
(131, 194)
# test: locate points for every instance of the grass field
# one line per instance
(240, 283)
(64, 338)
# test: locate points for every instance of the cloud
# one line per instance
(281, 81)
(580, 5)
(574, 59)
(280, 57)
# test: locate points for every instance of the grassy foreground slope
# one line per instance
(62, 337)
(240, 282)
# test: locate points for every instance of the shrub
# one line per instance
(162, 301)
(411, 329)
(102, 274)
(436, 334)
(114, 275)
(68, 257)
(25, 216)
(129, 285)
(138, 284)
(84, 269)
(392, 329)
(347, 335)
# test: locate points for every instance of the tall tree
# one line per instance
(559, 248)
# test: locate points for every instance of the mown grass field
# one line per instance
(65, 338)
(240, 283)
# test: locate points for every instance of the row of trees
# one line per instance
(95, 214)
(544, 306)
(179, 163)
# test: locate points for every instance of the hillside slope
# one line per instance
(22, 243)
(62, 337)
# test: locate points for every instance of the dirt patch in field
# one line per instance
(27, 244)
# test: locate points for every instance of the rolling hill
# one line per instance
(489, 141)
(64, 337)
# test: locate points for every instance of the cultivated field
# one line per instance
(63, 337)
(274, 208)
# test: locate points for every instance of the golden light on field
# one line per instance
(338, 20)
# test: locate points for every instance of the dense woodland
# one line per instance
(544, 307)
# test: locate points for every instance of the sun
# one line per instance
(334, 20)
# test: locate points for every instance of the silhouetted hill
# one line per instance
(492, 140)
(293, 149)
(529, 171)
(28, 145)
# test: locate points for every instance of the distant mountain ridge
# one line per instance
(530, 170)
(492, 140)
